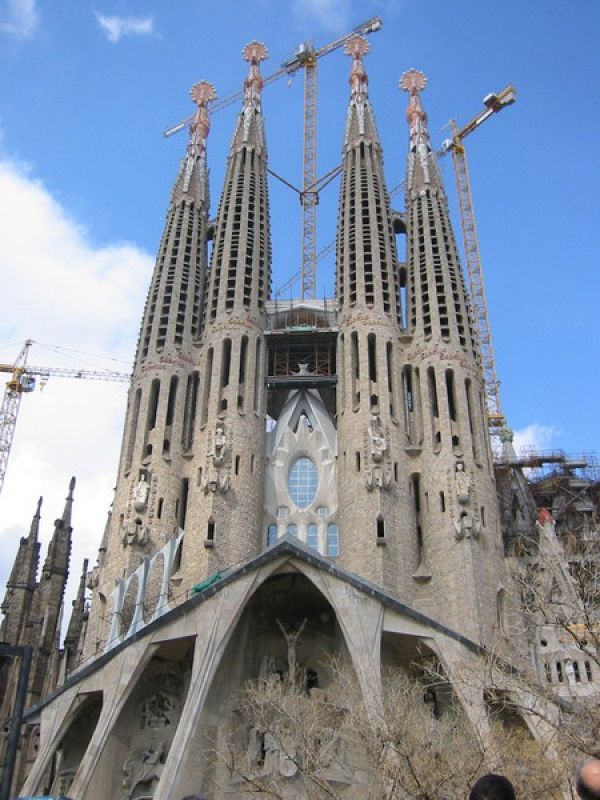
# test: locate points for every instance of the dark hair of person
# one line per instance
(493, 787)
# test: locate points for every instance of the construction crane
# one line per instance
(22, 381)
(323, 253)
(493, 104)
(305, 57)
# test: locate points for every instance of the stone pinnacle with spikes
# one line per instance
(357, 47)
(202, 93)
(414, 82)
(254, 53)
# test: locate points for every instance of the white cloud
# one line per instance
(114, 28)
(534, 437)
(335, 15)
(19, 18)
(57, 287)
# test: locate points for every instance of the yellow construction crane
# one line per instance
(22, 381)
(493, 104)
(305, 57)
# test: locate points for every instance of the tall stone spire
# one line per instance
(76, 627)
(44, 620)
(451, 482)
(439, 306)
(240, 269)
(369, 440)
(226, 499)
(22, 583)
(366, 248)
(172, 316)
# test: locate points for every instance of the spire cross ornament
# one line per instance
(413, 81)
(202, 93)
(357, 47)
(254, 53)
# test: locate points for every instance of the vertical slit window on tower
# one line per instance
(391, 383)
(380, 529)
(171, 399)
(257, 376)
(207, 386)
(372, 356)
(135, 415)
(225, 371)
(355, 371)
(242, 373)
(472, 424)
(210, 531)
(183, 502)
(409, 400)
(342, 375)
(450, 394)
(415, 479)
(189, 410)
(434, 409)
(372, 365)
(153, 404)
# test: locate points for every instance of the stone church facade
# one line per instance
(297, 480)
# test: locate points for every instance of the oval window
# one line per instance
(302, 482)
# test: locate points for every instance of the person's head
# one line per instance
(587, 781)
(493, 787)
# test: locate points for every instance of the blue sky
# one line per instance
(86, 90)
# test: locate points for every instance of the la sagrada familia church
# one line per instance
(298, 481)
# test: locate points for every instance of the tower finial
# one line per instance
(202, 93)
(357, 47)
(254, 53)
(413, 81)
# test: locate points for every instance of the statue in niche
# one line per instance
(378, 441)
(462, 483)
(291, 637)
(219, 445)
(142, 771)
(466, 526)
(215, 478)
(140, 494)
(378, 476)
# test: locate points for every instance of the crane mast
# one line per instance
(15, 387)
(309, 196)
(21, 381)
(493, 104)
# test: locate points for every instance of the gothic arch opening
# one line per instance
(71, 746)
(137, 747)
(285, 639)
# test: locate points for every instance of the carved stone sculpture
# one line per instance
(142, 771)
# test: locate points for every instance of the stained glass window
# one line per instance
(333, 540)
(303, 481)
(271, 534)
(311, 536)
(292, 529)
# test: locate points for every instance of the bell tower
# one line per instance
(452, 483)
(372, 486)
